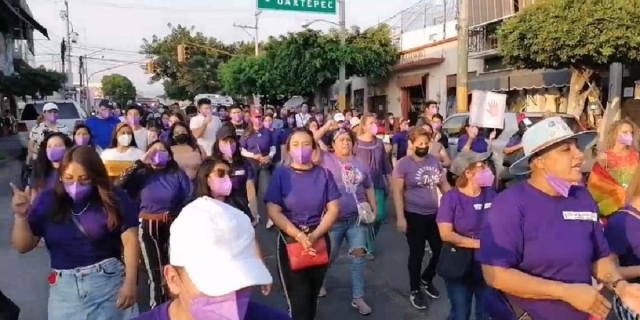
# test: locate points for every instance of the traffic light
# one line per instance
(151, 67)
(184, 53)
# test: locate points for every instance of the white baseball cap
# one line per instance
(354, 121)
(215, 244)
(49, 106)
(338, 117)
(544, 134)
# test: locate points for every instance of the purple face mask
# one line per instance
(561, 186)
(165, 123)
(160, 158)
(236, 117)
(82, 140)
(301, 155)
(77, 191)
(55, 154)
(133, 120)
(232, 306)
(484, 178)
(220, 186)
(227, 150)
(51, 117)
(104, 114)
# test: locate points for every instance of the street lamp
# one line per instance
(342, 74)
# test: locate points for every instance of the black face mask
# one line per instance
(181, 138)
(421, 152)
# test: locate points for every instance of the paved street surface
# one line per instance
(23, 277)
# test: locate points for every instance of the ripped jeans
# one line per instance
(356, 236)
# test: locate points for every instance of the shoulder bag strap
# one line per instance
(80, 227)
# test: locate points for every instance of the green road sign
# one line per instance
(312, 6)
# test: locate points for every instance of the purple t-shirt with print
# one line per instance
(260, 142)
(68, 247)
(623, 236)
(302, 195)
(374, 156)
(465, 213)
(352, 178)
(255, 311)
(421, 179)
(554, 238)
(479, 144)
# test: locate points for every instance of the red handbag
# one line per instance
(299, 259)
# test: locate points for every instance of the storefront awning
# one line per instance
(410, 81)
(24, 15)
(497, 81)
(422, 63)
(526, 79)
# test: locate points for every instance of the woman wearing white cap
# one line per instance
(213, 266)
(542, 242)
(49, 124)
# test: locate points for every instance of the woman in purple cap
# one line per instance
(87, 225)
(459, 221)
(542, 244)
(303, 202)
(45, 169)
(416, 179)
(162, 189)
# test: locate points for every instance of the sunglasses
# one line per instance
(220, 173)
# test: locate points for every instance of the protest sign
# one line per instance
(487, 109)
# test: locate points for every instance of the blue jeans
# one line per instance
(89, 293)
(356, 236)
(461, 294)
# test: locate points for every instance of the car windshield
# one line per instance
(66, 111)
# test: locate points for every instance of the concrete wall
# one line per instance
(430, 34)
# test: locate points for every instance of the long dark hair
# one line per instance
(82, 126)
(235, 158)
(202, 176)
(192, 142)
(43, 167)
(172, 165)
(114, 136)
(102, 193)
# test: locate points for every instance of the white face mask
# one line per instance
(124, 140)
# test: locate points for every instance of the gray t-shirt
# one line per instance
(421, 180)
(352, 176)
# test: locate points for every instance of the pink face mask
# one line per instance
(227, 150)
(220, 187)
(436, 126)
(625, 139)
(231, 306)
(257, 122)
(484, 178)
(373, 129)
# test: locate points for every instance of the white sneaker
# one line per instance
(362, 307)
(269, 224)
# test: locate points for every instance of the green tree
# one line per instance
(32, 82)
(371, 53)
(199, 74)
(585, 36)
(118, 88)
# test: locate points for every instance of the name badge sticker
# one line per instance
(580, 215)
(239, 173)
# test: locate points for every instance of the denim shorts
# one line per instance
(88, 293)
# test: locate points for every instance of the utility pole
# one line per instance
(462, 98)
(68, 25)
(342, 74)
(256, 39)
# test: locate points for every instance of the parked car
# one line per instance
(452, 128)
(69, 113)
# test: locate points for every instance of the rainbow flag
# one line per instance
(607, 192)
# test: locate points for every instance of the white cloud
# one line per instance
(120, 25)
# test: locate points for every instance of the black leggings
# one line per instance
(421, 229)
(301, 288)
(154, 236)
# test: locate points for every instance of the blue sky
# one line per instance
(117, 26)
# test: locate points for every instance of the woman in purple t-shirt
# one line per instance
(86, 224)
(303, 202)
(354, 181)
(370, 149)
(459, 220)
(541, 241)
(414, 183)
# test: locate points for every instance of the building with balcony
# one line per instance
(531, 90)
(426, 71)
(17, 27)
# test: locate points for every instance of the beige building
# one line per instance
(426, 71)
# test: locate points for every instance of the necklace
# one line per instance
(82, 211)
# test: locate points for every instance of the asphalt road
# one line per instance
(23, 277)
